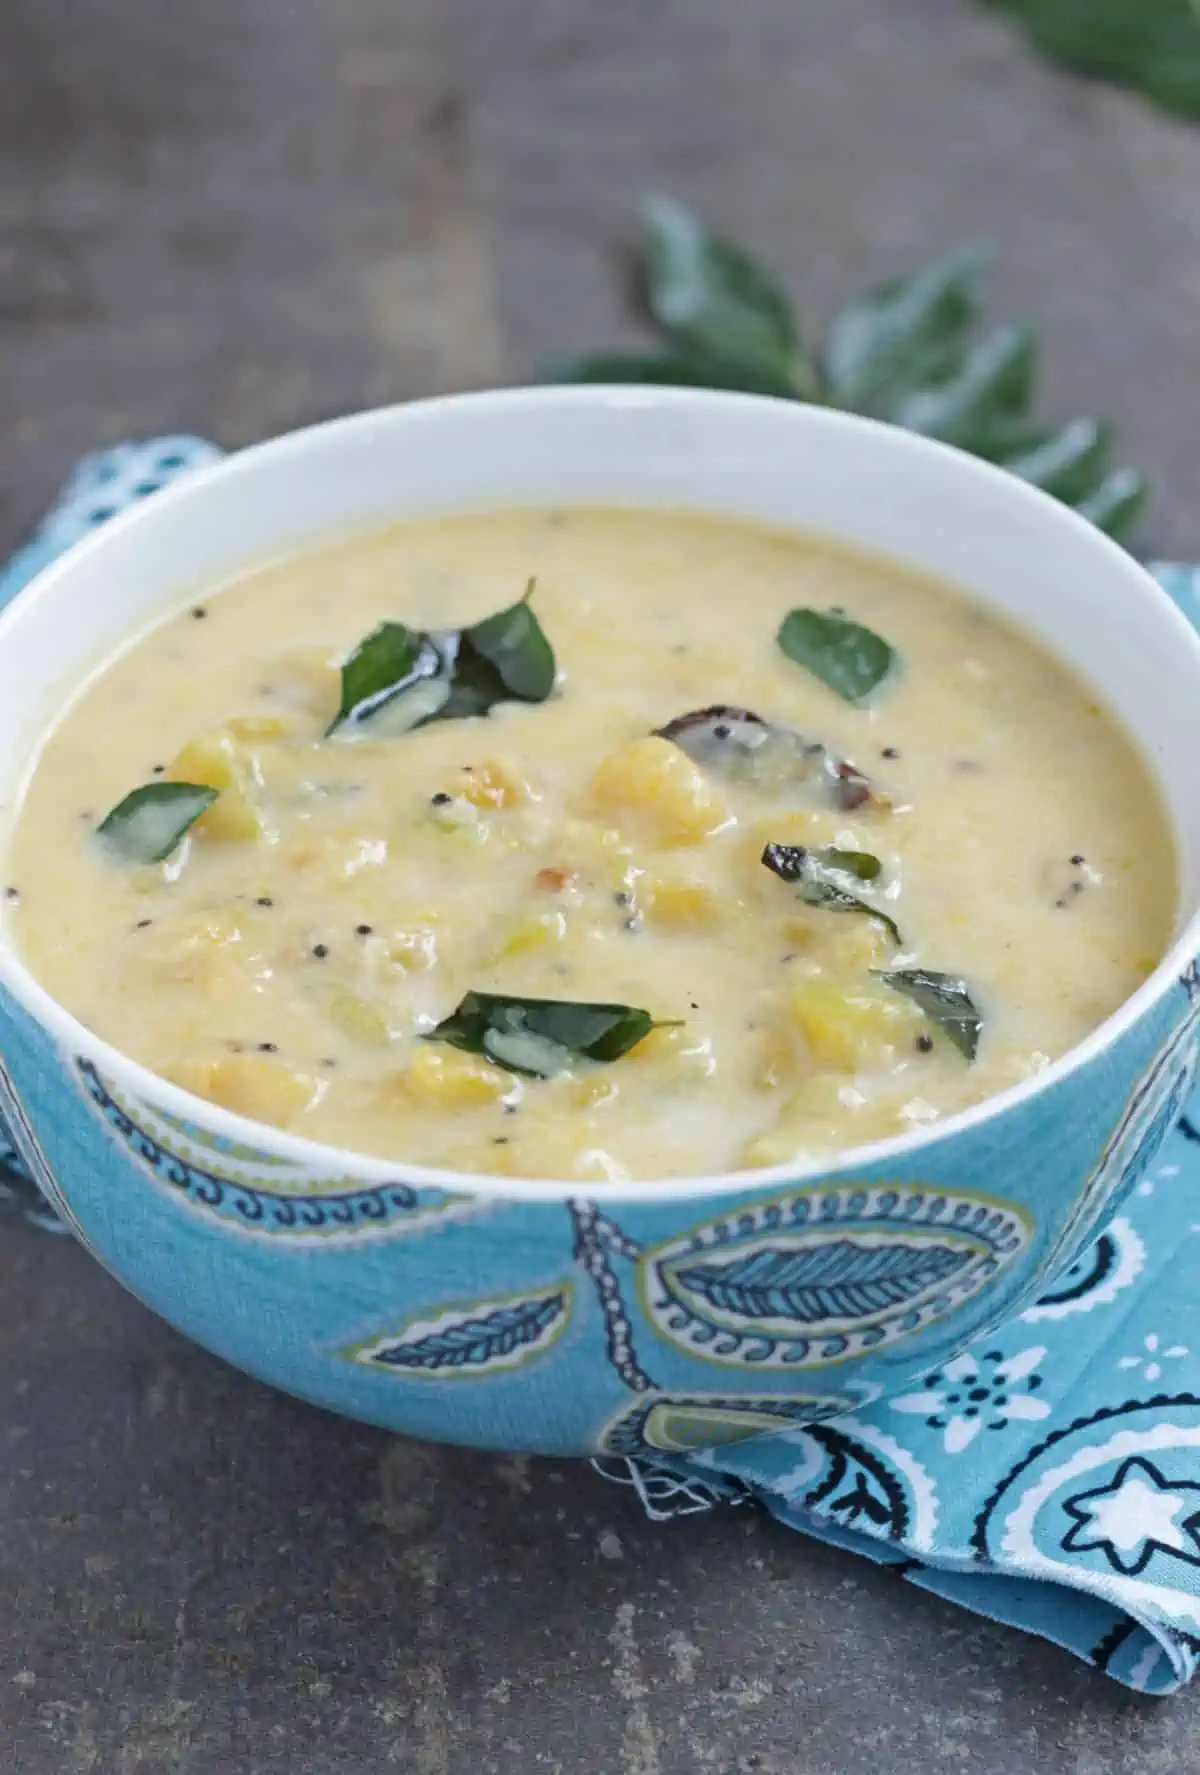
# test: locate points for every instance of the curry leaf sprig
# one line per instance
(1150, 44)
(541, 1037)
(399, 678)
(905, 352)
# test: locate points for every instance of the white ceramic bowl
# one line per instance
(519, 1314)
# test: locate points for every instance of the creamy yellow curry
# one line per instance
(589, 844)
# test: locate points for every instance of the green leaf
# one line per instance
(394, 668)
(903, 336)
(669, 369)
(945, 1000)
(399, 678)
(1070, 463)
(850, 659)
(821, 877)
(507, 656)
(542, 1036)
(861, 864)
(1151, 44)
(713, 299)
(1118, 501)
(902, 352)
(147, 825)
(977, 407)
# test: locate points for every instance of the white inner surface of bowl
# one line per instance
(868, 485)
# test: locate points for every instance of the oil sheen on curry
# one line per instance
(590, 844)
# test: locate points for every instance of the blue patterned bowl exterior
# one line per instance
(587, 1326)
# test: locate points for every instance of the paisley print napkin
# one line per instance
(1049, 1477)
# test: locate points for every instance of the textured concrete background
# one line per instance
(246, 215)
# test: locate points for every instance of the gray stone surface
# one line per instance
(246, 215)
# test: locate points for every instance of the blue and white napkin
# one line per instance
(1049, 1477)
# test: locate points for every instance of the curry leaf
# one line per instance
(849, 658)
(674, 370)
(542, 1036)
(514, 648)
(1117, 502)
(399, 678)
(903, 336)
(861, 864)
(796, 862)
(713, 299)
(391, 662)
(821, 876)
(978, 407)
(945, 1000)
(837, 899)
(147, 825)
(1151, 44)
(1070, 463)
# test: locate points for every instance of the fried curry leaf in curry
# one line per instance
(822, 878)
(945, 1000)
(542, 1036)
(852, 660)
(148, 824)
(399, 678)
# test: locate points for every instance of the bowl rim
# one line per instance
(374, 1171)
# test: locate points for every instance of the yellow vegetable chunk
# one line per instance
(356, 1017)
(855, 945)
(445, 1078)
(261, 727)
(658, 786)
(412, 949)
(680, 1052)
(824, 1111)
(216, 760)
(494, 783)
(258, 1085)
(537, 932)
(851, 1027)
(193, 948)
(679, 901)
